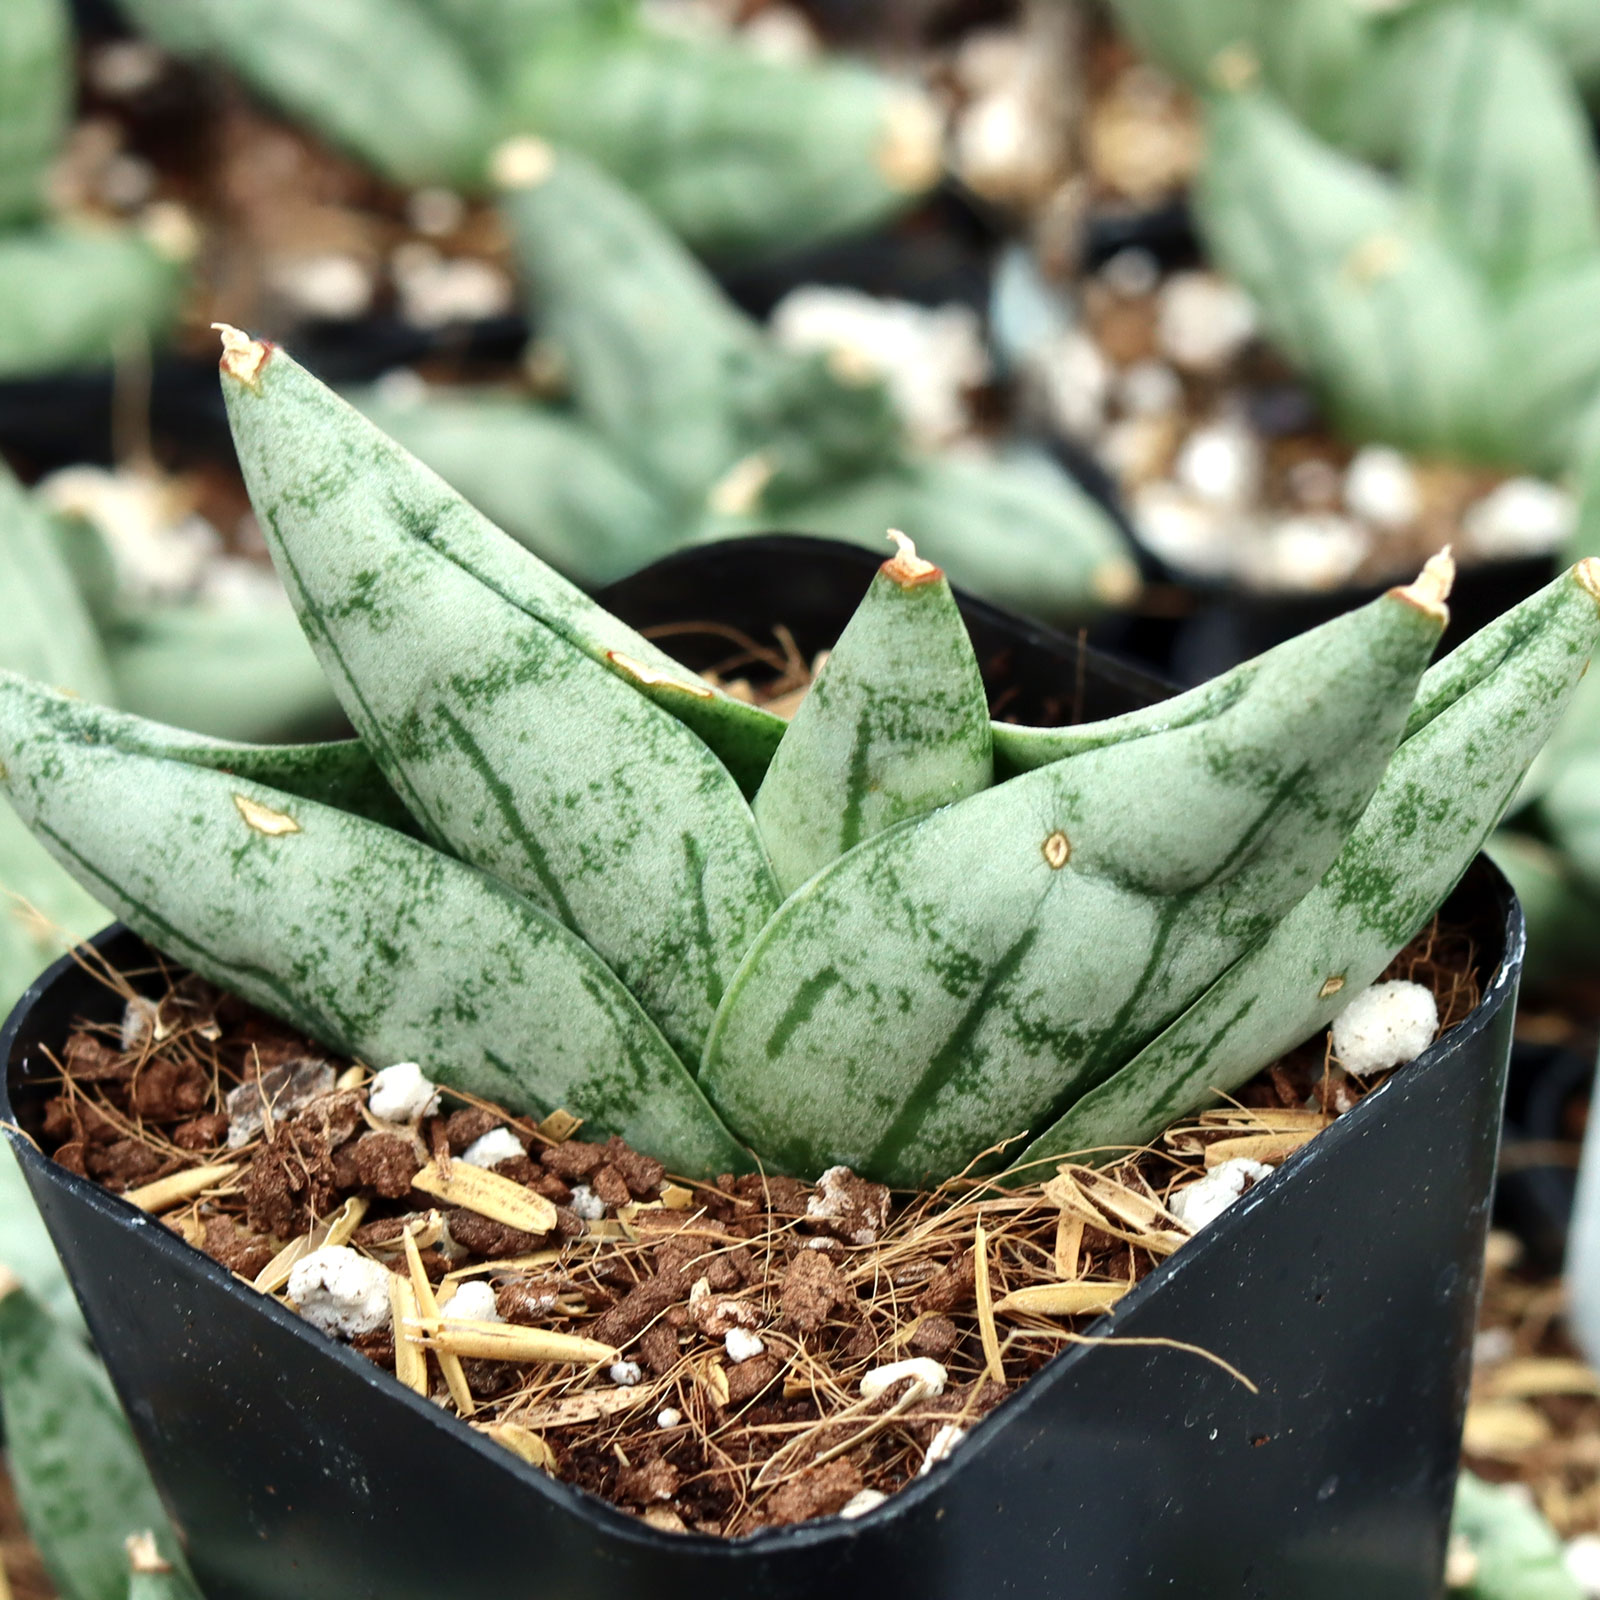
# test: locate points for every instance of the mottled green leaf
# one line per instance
(1517, 1555)
(1563, 917)
(1445, 789)
(896, 724)
(25, 1245)
(548, 479)
(954, 980)
(367, 940)
(35, 101)
(1498, 145)
(507, 742)
(1546, 369)
(80, 1480)
(1350, 282)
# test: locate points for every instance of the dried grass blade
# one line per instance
(487, 1193)
(522, 1442)
(508, 1341)
(165, 1193)
(334, 1230)
(1069, 1245)
(1063, 1299)
(427, 1306)
(589, 1407)
(1269, 1148)
(410, 1364)
(986, 1328)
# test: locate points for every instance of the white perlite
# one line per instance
(497, 1145)
(1523, 517)
(1199, 1203)
(863, 1501)
(928, 356)
(1384, 1026)
(1381, 487)
(402, 1093)
(669, 1417)
(1221, 463)
(1582, 1560)
(742, 1345)
(1202, 322)
(473, 1301)
(586, 1203)
(941, 1446)
(625, 1374)
(929, 1378)
(341, 1292)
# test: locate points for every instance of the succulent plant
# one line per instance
(72, 291)
(1502, 1547)
(728, 939)
(688, 423)
(1445, 305)
(235, 669)
(735, 152)
(82, 1486)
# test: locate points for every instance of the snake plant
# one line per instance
(735, 152)
(72, 290)
(688, 422)
(1446, 299)
(563, 871)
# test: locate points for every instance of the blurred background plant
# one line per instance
(1256, 301)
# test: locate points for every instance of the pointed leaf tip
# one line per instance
(522, 163)
(143, 1553)
(1431, 588)
(9, 1282)
(1587, 572)
(910, 152)
(906, 567)
(242, 356)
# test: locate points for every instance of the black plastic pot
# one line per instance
(1344, 1287)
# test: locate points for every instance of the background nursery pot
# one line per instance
(1344, 1287)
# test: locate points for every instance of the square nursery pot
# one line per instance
(1344, 1286)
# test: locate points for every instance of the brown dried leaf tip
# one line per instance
(1587, 572)
(522, 163)
(1431, 587)
(143, 1556)
(908, 568)
(242, 356)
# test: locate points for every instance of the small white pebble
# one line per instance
(1381, 487)
(1202, 321)
(1582, 1559)
(625, 1374)
(1491, 1346)
(497, 1145)
(1221, 464)
(333, 286)
(941, 1446)
(340, 1292)
(1076, 380)
(402, 1093)
(1131, 273)
(668, 1418)
(140, 1020)
(863, 1501)
(1198, 1203)
(1150, 389)
(741, 1344)
(1523, 517)
(586, 1203)
(1193, 536)
(435, 211)
(1384, 1026)
(1314, 552)
(473, 1301)
(929, 1378)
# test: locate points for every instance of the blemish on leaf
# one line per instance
(522, 163)
(1234, 67)
(1587, 572)
(1057, 850)
(263, 819)
(1331, 986)
(242, 356)
(1378, 256)
(653, 679)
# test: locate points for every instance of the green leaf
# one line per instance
(378, 77)
(35, 101)
(733, 153)
(1498, 144)
(896, 724)
(1017, 531)
(953, 981)
(1518, 1556)
(25, 1245)
(48, 632)
(1187, 36)
(1546, 369)
(80, 1481)
(43, 912)
(367, 940)
(1445, 789)
(550, 481)
(507, 741)
(70, 296)
(239, 672)
(1563, 918)
(1353, 286)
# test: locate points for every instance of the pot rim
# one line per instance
(822, 1532)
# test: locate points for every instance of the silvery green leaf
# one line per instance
(35, 101)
